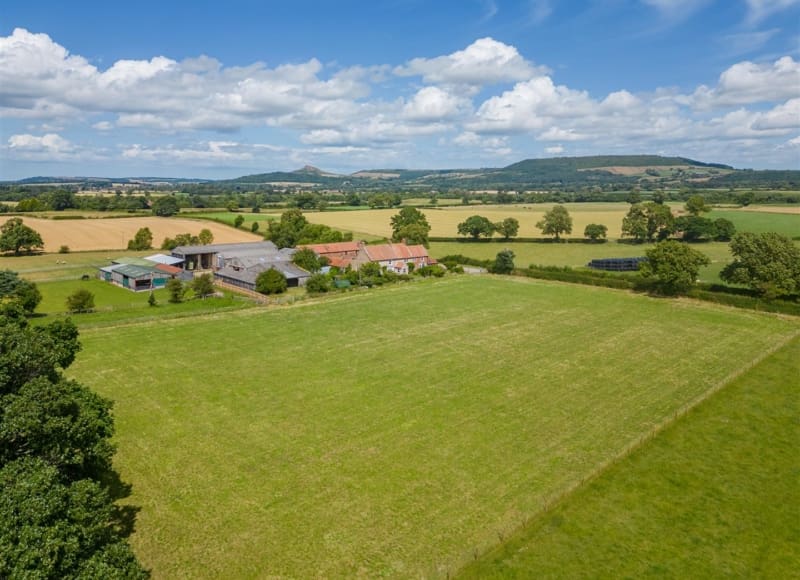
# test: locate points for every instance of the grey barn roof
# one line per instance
(289, 270)
(221, 248)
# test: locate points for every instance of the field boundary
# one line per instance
(553, 501)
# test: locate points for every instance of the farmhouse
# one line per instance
(396, 258)
(338, 254)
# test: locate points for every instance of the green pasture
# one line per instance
(716, 495)
(575, 255)
(758, 222)
(41, 267)
(114, 304)
(397, 432)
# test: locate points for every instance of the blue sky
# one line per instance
(213, 89)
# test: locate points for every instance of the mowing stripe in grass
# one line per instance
(716, 494)
(388, 432)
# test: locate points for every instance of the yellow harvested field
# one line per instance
(444, 221)
(113, 234)
(792, 210)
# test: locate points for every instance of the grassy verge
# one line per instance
(394, 432)
(715, 495)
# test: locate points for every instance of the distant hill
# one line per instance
(556, 172)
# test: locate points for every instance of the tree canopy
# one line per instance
(143, 240)
(476, 226)
(503, 262)
(508, 228)
(57, 516)
(165, 206)
(411, 225)
(555, 222)
(271, 281)
(16, 236)
(80, 301)
(307, 259)
(595, 232)
(696, 205)
(646, 221)
(672, 267)
(20, 290)
(768, 262)
(203, 285)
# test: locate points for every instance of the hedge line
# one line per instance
(716, 293)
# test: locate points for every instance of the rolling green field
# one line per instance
(715, 495)
(758, 222)
(575, 255)
(395, 432)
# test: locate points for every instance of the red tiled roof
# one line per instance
(384, 252)
(339, 261)
(333, 248)
(166, 268)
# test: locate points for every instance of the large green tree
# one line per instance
(555, 222)
(476, 226)
(672, 267)
(271, 282)
(143, 240)
(647, 221)
(16, 236)
(203, 285)
(508, 228)
(287, 231)
(411, 225)
(165, 206)
(696, 205)
(307, 259)
(57, 517)
(20, 290)
(503, 262)
(768, 262)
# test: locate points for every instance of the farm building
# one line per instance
(617, 264)
(135, 277)
(164, 259)
(214, 256)
(394, 257)
(246, 277)
(140, 273)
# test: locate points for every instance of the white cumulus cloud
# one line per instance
(484, 62)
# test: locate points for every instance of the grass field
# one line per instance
(575, 255)
(42, 267)
(716, 495)
(396, 432)
(114, 304)
(757, 222)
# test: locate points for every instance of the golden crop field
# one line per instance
(107, 234)
(444, 221)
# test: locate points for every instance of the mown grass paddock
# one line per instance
(395, 432)
(114, 305)
(714, 495)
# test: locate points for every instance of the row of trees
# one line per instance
(768, 263)
(58, 518)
